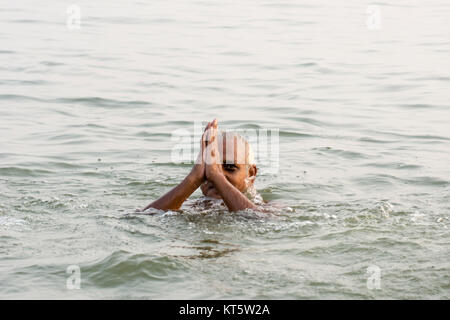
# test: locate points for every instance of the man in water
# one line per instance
(224, 169)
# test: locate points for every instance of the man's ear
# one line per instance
(252, 171)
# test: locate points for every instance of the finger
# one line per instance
(207, 126)
(210, 125)
(205, 134)
(214, 130)
(202, 152)
(204, 142)
(213, 152)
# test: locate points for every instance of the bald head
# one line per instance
(235, 149)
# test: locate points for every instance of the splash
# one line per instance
(252, 193)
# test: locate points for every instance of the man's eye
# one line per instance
(229, 167)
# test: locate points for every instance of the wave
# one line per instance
(125, 268)
(88, 101)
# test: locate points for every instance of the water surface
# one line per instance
(86, 124)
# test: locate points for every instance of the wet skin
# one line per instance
(221, 171)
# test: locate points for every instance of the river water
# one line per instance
(357, 92)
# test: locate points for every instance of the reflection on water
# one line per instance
(208, 252)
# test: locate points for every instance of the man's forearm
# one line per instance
(232, 197)
(173, 199)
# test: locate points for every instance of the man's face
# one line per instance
(235, 167)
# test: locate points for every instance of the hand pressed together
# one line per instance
(220, 174)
